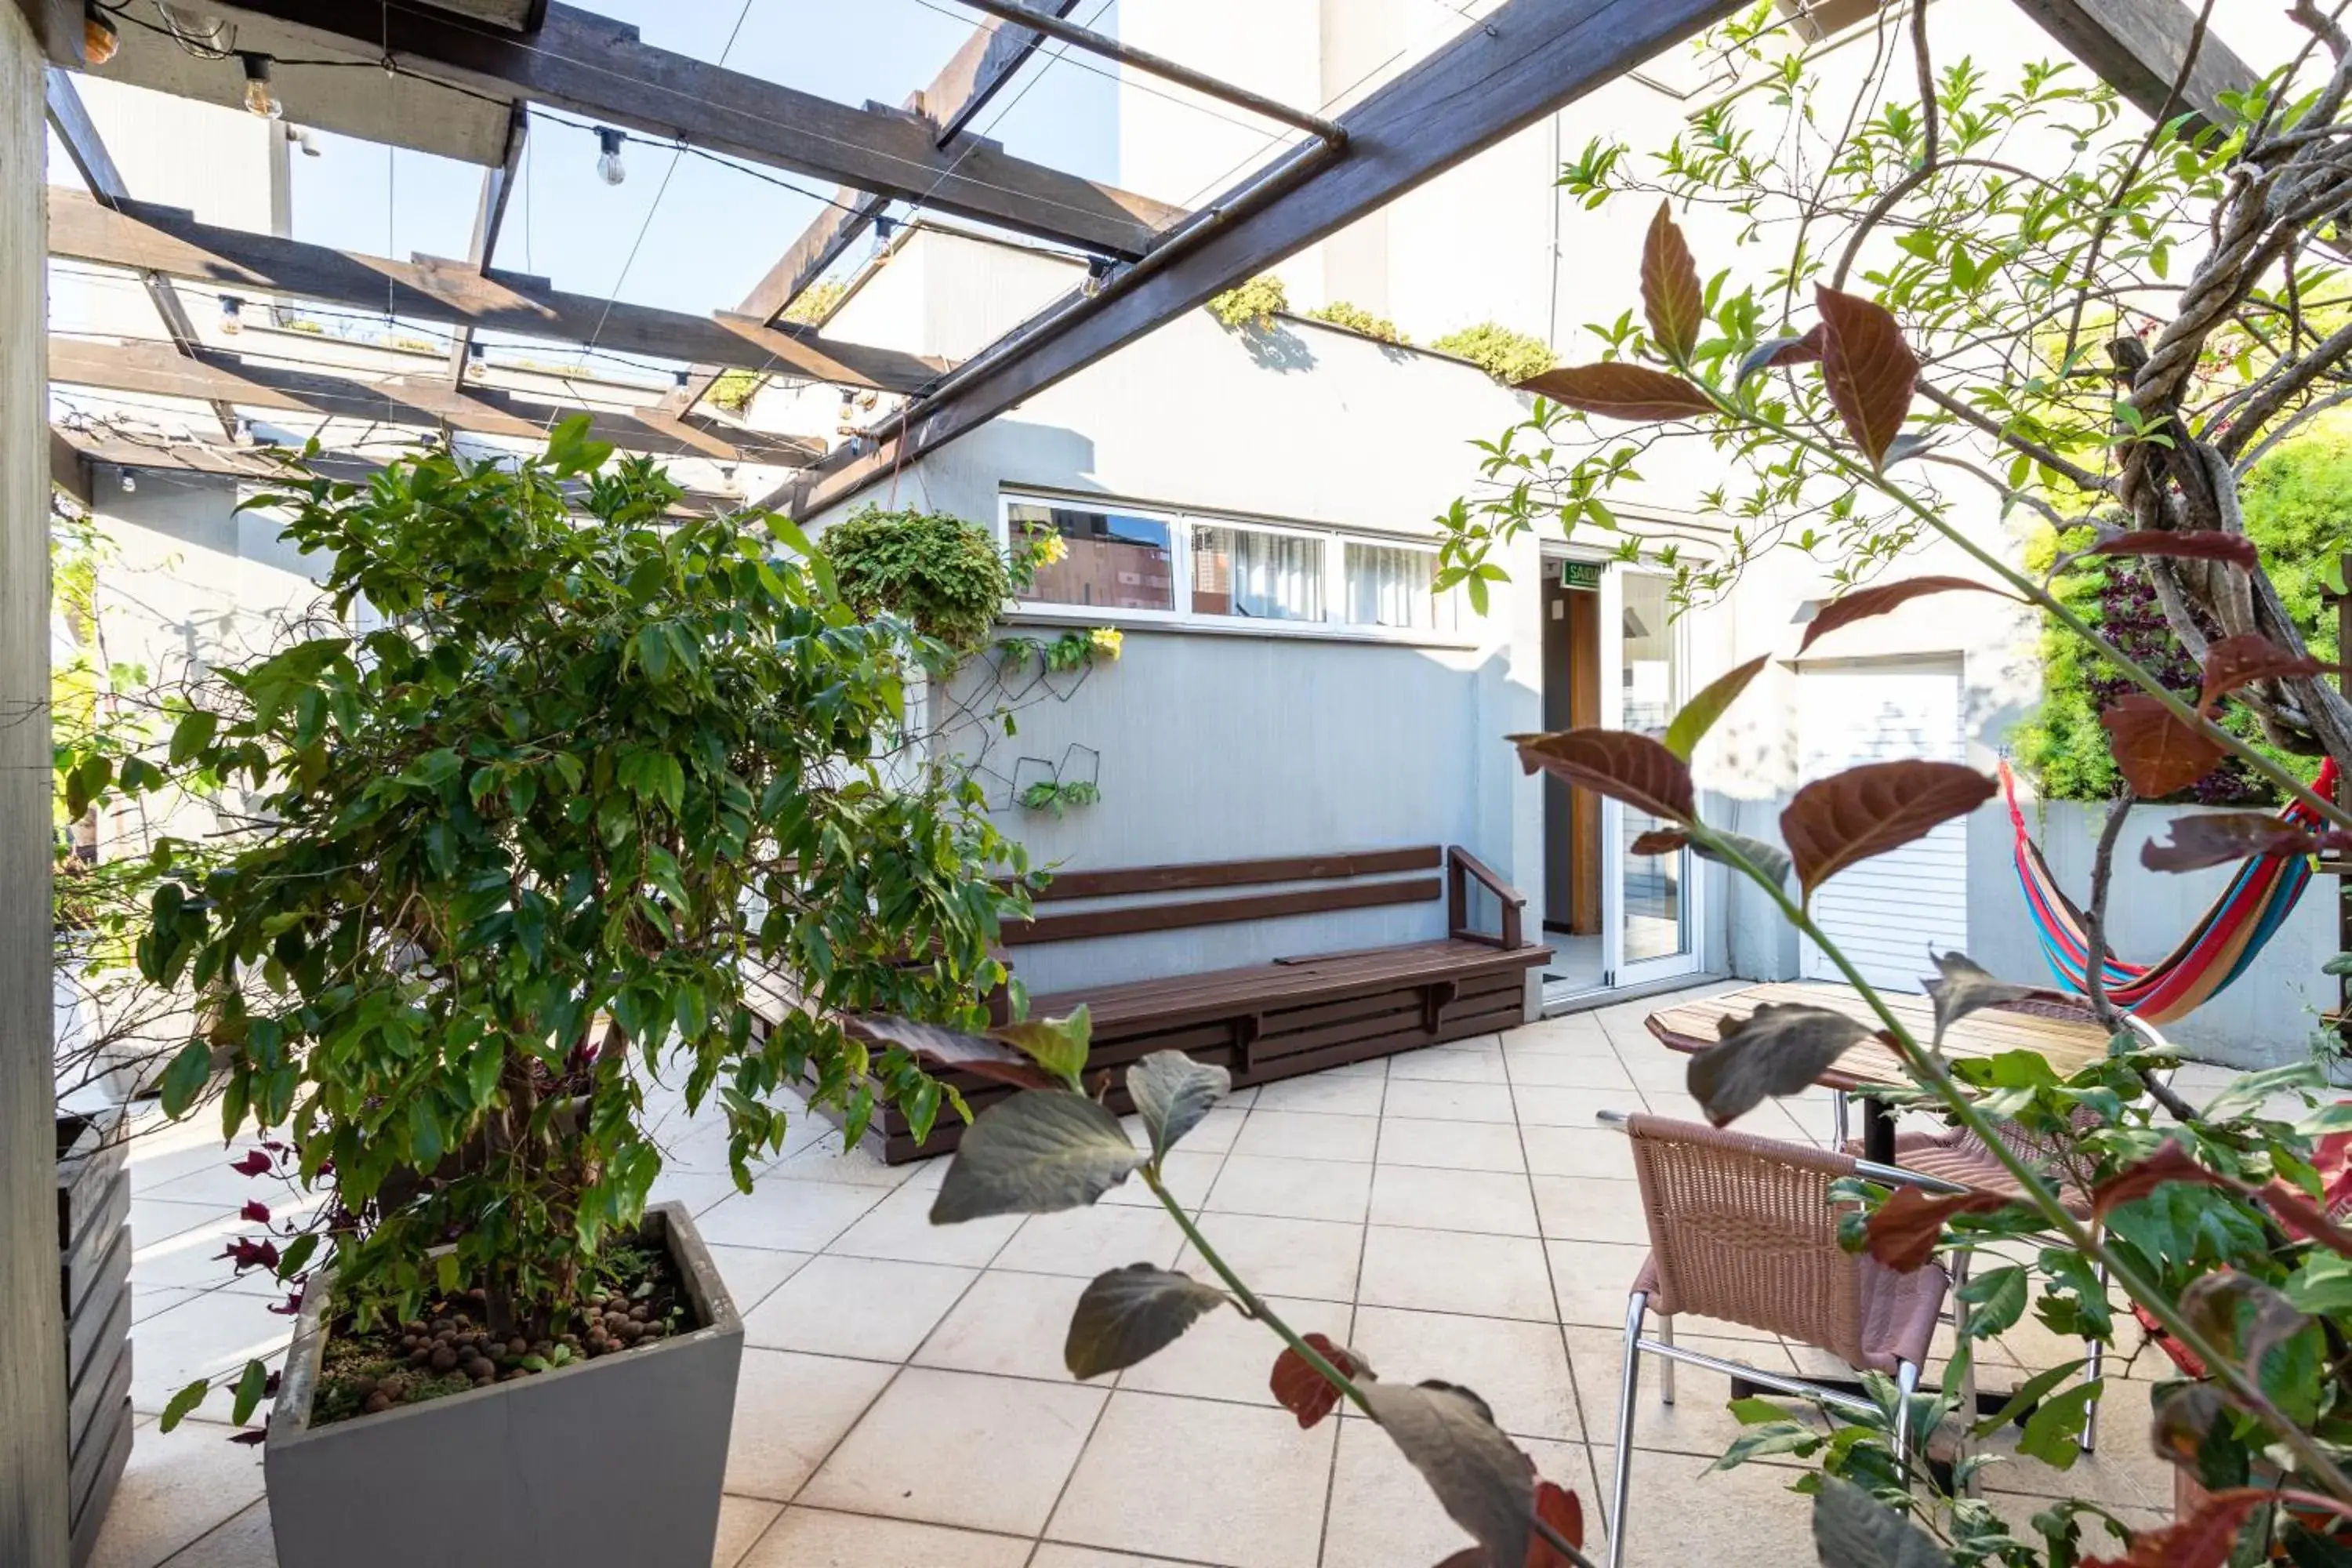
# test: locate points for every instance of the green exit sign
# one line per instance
(1585, 574)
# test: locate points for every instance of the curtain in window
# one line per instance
(1389, 587)
(1272, 576)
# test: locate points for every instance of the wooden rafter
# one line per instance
(246, 381)
(595, 66)
(489, 216)
(143, 235)
(1527, 59)
(2139, 45)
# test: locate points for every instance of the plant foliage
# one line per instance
(1340, 313)
(941, 575)
(1253, 304)
(1509, 357)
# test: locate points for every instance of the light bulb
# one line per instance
(130, 485)
(99, 38)
(232, 314)
(608, 165)
(259, 98)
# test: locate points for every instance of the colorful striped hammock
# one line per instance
(2224, 942)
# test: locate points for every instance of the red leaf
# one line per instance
(1617, 764)
(1834, 822)
(2171, 1164)
(2221, 838)
(1671, 296)
(944, 1050)
(1558, 1507)
(2189, 543)
(1861, 603)
(1660, 841)
(1868, 369)
(2305, 1218)
(255, 1210)
(2158, 754)
(2243, 659)
(255, 1163)
(1903, 1233)
(2201, 1541)
(1306, 1393)
(1621, 391)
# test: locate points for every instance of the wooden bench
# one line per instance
(1276, 1020)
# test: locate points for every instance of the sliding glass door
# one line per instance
(1650, 921)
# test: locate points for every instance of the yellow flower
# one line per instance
(1107, 641)
(1050, 549)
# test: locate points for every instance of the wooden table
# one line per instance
(2067, 1045)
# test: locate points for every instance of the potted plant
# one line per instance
(510, 801)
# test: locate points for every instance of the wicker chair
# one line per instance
(1742, 1228)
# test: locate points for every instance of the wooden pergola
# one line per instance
(460, 79)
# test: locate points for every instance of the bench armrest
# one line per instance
(1461, 865)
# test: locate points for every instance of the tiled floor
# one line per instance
(1452, 1213)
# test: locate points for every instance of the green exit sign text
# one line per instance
(1585, 574)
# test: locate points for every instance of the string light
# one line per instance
(608, 163)
(130, 485)
(259, 98)
(99, 38)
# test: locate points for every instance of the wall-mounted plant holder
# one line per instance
(1054, 787)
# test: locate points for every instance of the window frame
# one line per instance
(1181, 521)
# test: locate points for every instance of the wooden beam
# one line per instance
(595, 67)
(145, 236)
(1523, 61)
(66, 469)
(87, 149)
(241, 380)
(2138, 46)
(987, 60)
(489, 214)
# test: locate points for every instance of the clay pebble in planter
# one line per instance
(611, 1462)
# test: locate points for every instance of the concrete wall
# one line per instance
(32, 1503)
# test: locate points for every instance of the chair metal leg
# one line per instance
(1623, 1481)
(1838, 1131)
(1665, 1363)
(1907, 1384)
(2095, 1356)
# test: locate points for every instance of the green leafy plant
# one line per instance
(1253, 304)
(531, 772)
(943, 575)
(1071, 650)
(1057, 795)
(816, 302)
(1509, 357)
(1340, 313)
(733, 390)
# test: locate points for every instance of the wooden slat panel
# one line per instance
(1265, 989)
(1111, 883)
(1128, 920)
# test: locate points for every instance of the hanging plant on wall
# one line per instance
(941, 575)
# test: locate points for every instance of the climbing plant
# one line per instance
(1508, 356)
(1340, 313)
(1253, 304)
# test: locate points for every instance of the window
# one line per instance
(1150, 566)
(1112, 558)
(1389, 586)
(1257, 573)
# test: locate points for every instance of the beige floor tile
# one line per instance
(1344, 1093)
(170, 1248)
(900, 1228)
(950, 1448)
(787, 1216)
(816, 1538)
(1085, 1242)
(243, 1541)
(1187, 1175)
(827, 1160)
(146, 1301)
(1304, 1257)
(1578, 1152)
(1307, 1135)
(1450, 1145)
(1593, 1278)
(1226, 1356)
(1493, 1202)
(1384, 1515)
(1215, 1133)
(1198, 1479)
(1697, 1421)
(697, 1190)
(790, 1411)
(1429, 1101)
(1482, 1064)
(1448, 1272)
(2123, 1469)
(872, 1307)
(1292, 1189)
(178, 1486)
(1542, 1105)
(1589, 1208)
(1054, 1554)
(742, 1522)
(752, 1273)
(1681, 1512)
(1545, 1070)
(1010, 1324)
(215, 1334)
(1521, 1368)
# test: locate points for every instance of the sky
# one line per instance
(716, 229)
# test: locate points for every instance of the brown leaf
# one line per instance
(2203, 1540)
(951, 1050)
(2188, 543)
(2221, 838)
(1617, 764)
(2245, 658)
(1306, 1393)
(1861, 603)
(1621, 391)
(2183, 1416)
(1778, 1049)
(2303, 1217)
(1670, 288)
(1834, 822)
(2211, 1305)
(1660, 841)
(1903, 1232)
(1868, 369)
(2158, 754)
(1558, 1507)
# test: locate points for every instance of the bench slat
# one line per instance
(1114, 882)
(1128, 920)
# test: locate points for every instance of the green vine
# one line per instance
(1509, 357)
(1253, 304)
(1057, 795)
(1071, 650)
(1340, 313)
